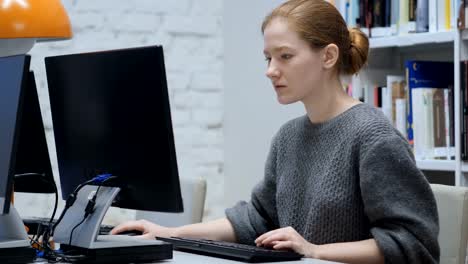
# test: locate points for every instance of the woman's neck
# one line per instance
(328, 103)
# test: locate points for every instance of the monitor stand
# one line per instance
(104, 248)
(14, 243)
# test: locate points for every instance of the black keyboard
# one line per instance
(229, 250)
(40, 222)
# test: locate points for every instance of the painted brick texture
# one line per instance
(191, 34)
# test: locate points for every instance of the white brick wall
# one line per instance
(191, 34)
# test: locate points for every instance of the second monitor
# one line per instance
(111, 115)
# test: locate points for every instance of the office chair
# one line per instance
(193, 195)
(452, 206)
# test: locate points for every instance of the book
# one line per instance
(400, 116)
(438, 114)
(432, 16)
(422, 16)
(422, 101)
(394, 16)
(396, 89)
(464, 109)
(403, 22)
(430, 122)
(449, 123)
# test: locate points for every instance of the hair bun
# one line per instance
(358, 50)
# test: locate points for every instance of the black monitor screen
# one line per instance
(110, 113)
(33, 170)
(13, 76)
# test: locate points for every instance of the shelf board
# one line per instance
(412, 39)
(438, 165)
(464, 166)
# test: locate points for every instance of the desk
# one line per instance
(182, 257)
(186, 258)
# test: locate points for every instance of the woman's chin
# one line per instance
(284, 100)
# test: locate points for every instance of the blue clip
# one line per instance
(101, 178)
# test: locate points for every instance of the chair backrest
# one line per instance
(452, 206)
(193, 195)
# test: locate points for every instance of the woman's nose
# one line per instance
(272, 71)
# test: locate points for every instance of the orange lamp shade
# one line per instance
(39, 19)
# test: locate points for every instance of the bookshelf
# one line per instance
(404, 64)
(437, 165)
(412, 40)
(387, 57)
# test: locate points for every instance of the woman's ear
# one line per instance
(330, 56)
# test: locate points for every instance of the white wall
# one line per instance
(191, 34)
(230, 150)
(252, 113)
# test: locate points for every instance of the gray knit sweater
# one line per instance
(348, 179)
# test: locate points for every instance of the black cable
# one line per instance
(49, 253)
(73, 230)
(45, 179)
(61, 257)
(70, 201)
(88, 211)
(45, 232)
(56, 256)
(72, 197)
(56, 203)
(52, 183)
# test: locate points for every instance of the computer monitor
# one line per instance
(111, 114)
(13, 79)
(14, 245)
(33, 170)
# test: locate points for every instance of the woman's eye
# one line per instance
(267, 59)
(286, 56)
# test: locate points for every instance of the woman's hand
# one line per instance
(149, 230)
(287, 238)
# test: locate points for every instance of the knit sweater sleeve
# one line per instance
(399, 203)
(251, 219)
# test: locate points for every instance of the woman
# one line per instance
(340, 182)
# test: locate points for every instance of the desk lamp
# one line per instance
(25, 22)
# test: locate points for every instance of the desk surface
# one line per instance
(183, 258)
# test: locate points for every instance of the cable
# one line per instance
(72, 197)
(70, 201)
(44, 231)
(89, 209)
(55, 256)
(73, 230)
(47, 231)
(45, 179)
